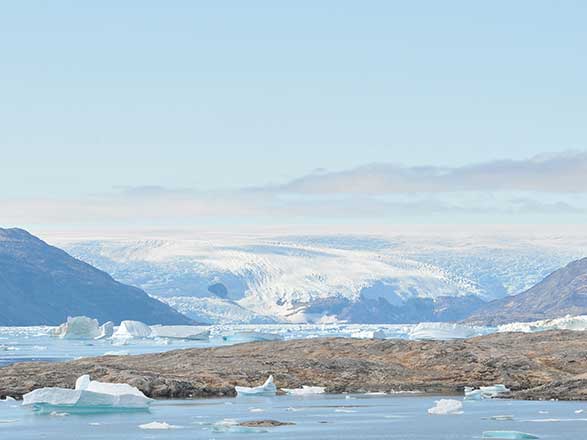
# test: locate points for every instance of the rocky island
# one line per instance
(548, 365)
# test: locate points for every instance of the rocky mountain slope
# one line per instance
(41, 284)
(564, 292)
(535, 366)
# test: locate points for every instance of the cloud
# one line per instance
(555, 173)
(545, 188)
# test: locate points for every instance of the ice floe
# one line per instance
(189, 332)
(446, 407)
(304, 391)
(486, 392)
(231, 425)
(158, 425)
(446, 330)
(508, 435)
(577, 323)
(267, 389)
(88, 395)
(252, 336)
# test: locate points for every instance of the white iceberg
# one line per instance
(576, 323)
(158, 425)
(445, 407)
(78, 327)
(267, 389)
(132, 329)
(508, 435)
(106, 330)
(304, 391)
(88, 396)
(190, 332)
(446, 330)
(488, 392)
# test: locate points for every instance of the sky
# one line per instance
(149, 113)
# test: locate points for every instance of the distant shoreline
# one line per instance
(546, 365)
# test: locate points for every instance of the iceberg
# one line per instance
(488, 392)
(8, 399)
(231, 425)
(88, 396)
(445, 407)
(576, 323)
(267, 389)
(508, 435)
(78, 327)
(192, 333)
(106, 330)
(446, 330)
(158, 425)
(132, 329)
(304, 391)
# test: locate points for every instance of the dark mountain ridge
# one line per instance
(43, 285)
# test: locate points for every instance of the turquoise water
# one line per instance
(316, 417)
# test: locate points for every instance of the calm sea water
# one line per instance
(316, 417)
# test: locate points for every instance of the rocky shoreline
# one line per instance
(547, 365)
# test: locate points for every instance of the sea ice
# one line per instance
(8, 399)
(78, 327)
(252, 336)
(88, 395)
(231, 425)
(446, 407)
(508, 435)
(446, 330)
(132, 329)
(267, 389)
(488, 392)
(190, 332)
(304, 391)
(106, 330)
(158, 425)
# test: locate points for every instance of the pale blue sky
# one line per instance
(210, 96)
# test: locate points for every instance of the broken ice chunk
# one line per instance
(106, 330)
(158, 425)
(304, 391)
(78, 327)
(508, 435)
(88, 396)
(446, 407)
(132, 329)
(267, 389)
(488, 392)
(189, 332)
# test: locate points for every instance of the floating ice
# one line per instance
(231, 425)
(78, 327)
(446, 330)
(88, 396)
(132, 329)
(488, 392)
(252, 336)
(267, 389)
(508, 435)
(116, 353)
(304, 391)
(446, 407)
(189, 332)
(577, 323)
(158, 425)
(106, 330)
(8, 399)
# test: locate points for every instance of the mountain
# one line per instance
(41, 284)
(563, 292)
(363, 278)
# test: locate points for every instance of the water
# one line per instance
(22, 344)
(317, 417)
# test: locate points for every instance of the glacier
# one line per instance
(267, 389)
(263, 278)
(87, 396)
